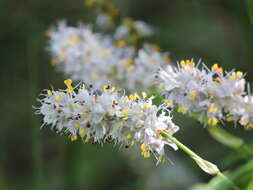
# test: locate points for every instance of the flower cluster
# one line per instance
(85, 56)
(132, 29)
(108, 115)
(215, 94)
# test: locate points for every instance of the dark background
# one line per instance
(215, 31)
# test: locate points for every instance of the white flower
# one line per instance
(123, 32)
(103, 20)
(143, 28)
(209, 92)
(85, 56)
(100, 115)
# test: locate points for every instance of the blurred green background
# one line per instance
(216, 31)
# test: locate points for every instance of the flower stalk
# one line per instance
(205, 165)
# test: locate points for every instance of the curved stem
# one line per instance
(205, 165)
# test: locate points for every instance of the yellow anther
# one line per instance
(49, 92)
(166, 59)
(132, 143)
(73, 40)
(151, 97)
(217, 80)
(85, 114)
(155, 48)
(143, 147)
(74, 106)
(182, 63)
(62, 56)
(132, 97)
(54, 62)
(127, 100)
(187, 69)
(161, 159)
(94, 100)
(77, 125)
(249, 126)
(193, 95)
(229, 118)
(139, 115)
(127, 62)
(158, 132)
(125, 118)
(147, 106)
(217, 68)
(68, 82)
(239, 74)
(113, 89)
(107, 117)
(136, 112)
(48, 33)
(121, 43)
(139, 107)
(104, 52)
(106, 88)
(137, 96)
(88, 137)
(73, 138)
(243, 121)
(82, 132)
(161, 86)
(190, 63)
(94, 75)
(144, 94)
(146, 154)
(125, 111)
(127, 22)
(213, 108)
(167, 103)
(62, 94)
(235, 75)
(131, 68)
(129, 136)
(181, 110)
(69, 89)
(83, 86)
(89, 3)
(58, 98)
(213, 121)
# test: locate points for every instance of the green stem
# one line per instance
(205, 165)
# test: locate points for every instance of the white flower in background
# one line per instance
(103, 20)
(123, 31)
(98, 116)
(84, 55)
(92, 58)
(141, 71)
(210, 92)
(143, 28)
